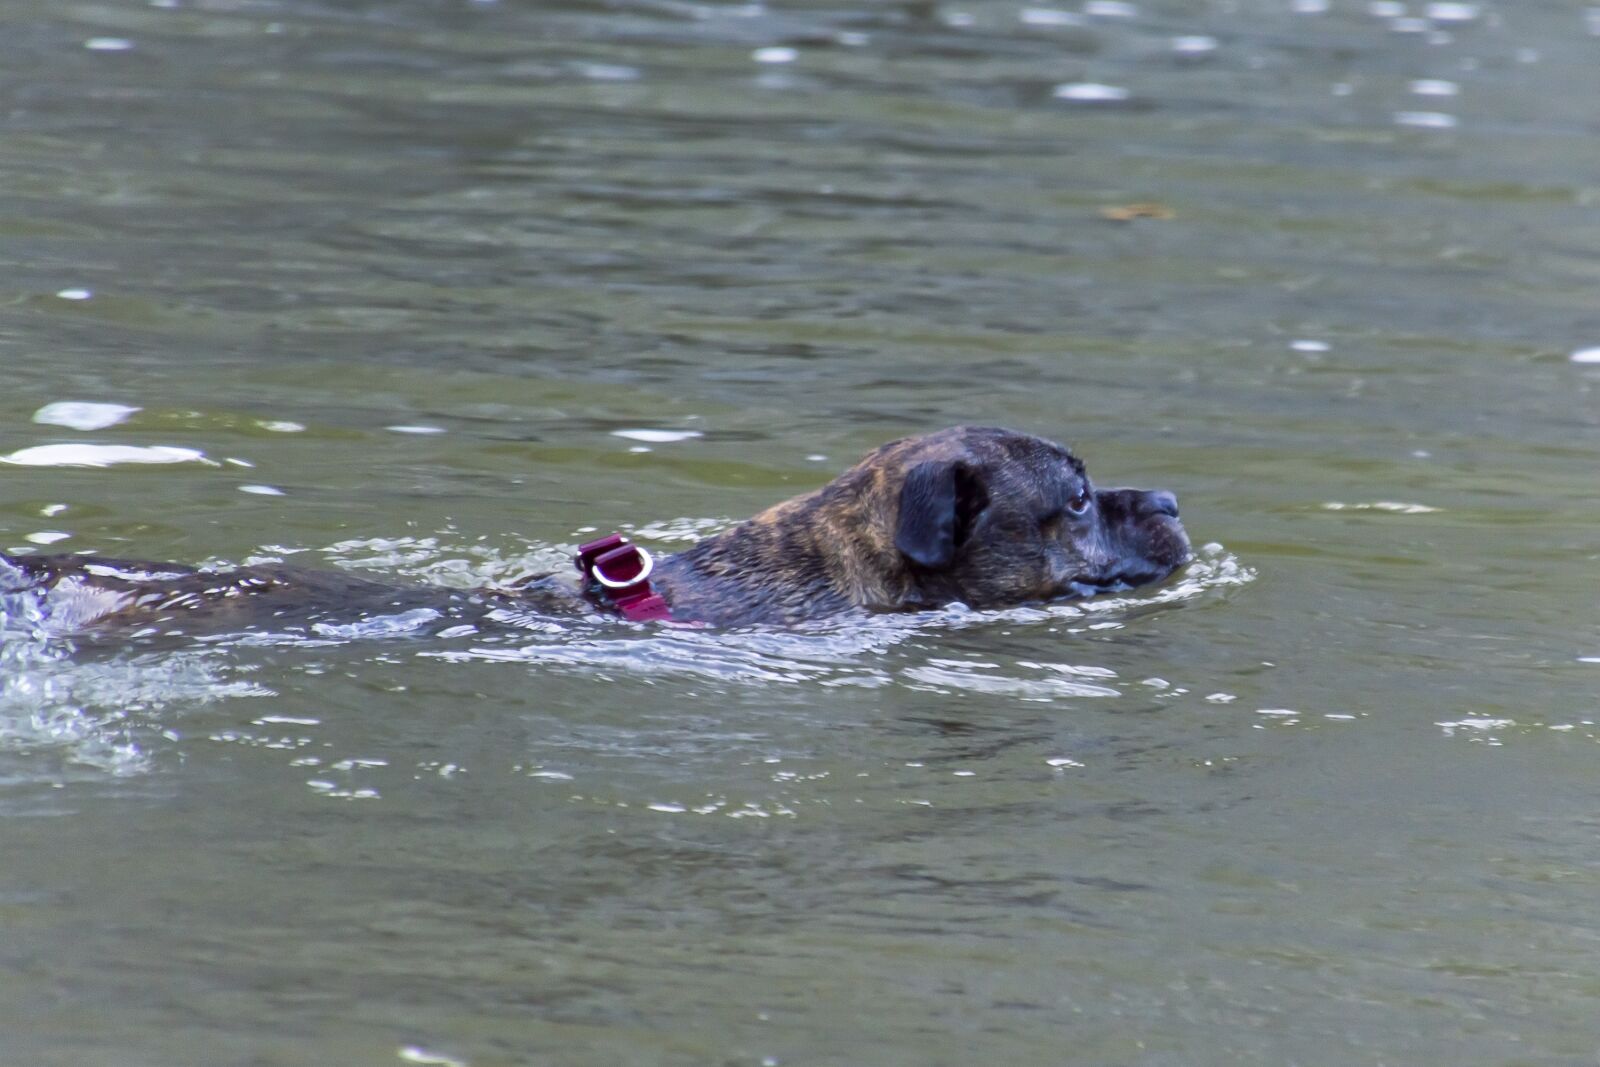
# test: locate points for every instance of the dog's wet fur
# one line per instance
(978, 515)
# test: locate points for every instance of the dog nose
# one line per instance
(1164, 502)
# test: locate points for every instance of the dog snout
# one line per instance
(1163, 501)
(1119, 504)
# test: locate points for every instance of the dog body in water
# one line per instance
(982, 516)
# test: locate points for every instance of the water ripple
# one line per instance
(105, 709)
(850, 651)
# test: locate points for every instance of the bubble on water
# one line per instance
(415, 429)
(261, 490)
(74, 294)
(1386, 9)
(280, 426)
(1309, 346)
(775, 54)
(48, 537)
(1110, 9)
(1451, 12)
(108, 44)
(1194, 45)
(1308, 7)
(1585, 355)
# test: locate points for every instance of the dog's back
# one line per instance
(74, 594)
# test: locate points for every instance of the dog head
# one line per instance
(992, 517)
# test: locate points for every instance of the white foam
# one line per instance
(1090, 92)
(1048, 16)
(1428, 120)
(1482, 724)
(86, 455)
(1434, 87)
(1398, 507)
(608, 72)
(1110, 9)
(82, 415)
(658, 437)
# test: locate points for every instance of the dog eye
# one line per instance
(1078, 506)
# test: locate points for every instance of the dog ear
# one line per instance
(938, 504)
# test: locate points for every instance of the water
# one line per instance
(437, 290)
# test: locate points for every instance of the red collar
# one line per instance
(617, 573)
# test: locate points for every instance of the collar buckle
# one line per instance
(620, 571)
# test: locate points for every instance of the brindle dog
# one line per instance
(984, 516)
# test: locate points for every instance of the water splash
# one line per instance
(98, 714)
(109, 709)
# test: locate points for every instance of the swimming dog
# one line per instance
(979, 515)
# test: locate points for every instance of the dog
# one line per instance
(983, 516)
